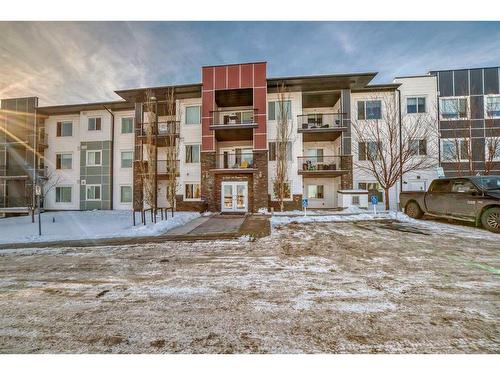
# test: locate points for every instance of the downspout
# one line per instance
(400, 144)
(111, 157)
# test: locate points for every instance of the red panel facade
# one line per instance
(207, 142)
(233, 77)
(246, 75)
(259, 77)
(220, 77)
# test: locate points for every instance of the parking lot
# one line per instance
(343, 287)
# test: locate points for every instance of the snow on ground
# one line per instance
(77, 225)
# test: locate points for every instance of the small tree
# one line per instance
(491, 143)
(284, 125)
(387, 150)
(172, 152)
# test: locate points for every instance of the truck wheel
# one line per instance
(491, 219)
(413, 210)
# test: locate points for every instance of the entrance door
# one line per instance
(234, 197)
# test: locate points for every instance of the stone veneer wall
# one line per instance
(295, 204)
(182, 205)
(346, 179)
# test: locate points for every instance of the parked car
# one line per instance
(474, 199)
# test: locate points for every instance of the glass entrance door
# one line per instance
(234, 197)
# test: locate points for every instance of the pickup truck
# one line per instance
(474, 199)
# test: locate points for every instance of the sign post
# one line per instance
(305, 203)
(374, 201)
(38, 192)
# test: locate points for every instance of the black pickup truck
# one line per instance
(474, 199)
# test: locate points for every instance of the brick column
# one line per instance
(346, 165)
(260, 181)
(208, 180)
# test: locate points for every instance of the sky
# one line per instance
(75, 62)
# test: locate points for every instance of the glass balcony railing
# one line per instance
(323, 121)
(243, 160)
(242, 117)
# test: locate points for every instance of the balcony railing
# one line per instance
(233, 118)
(167, 166)
(162, 129)
(243, 160)
(320, 121)
(323, 164)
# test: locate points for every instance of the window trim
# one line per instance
(62, 122)
(121, 124)
(87, 158)
(364, 101)
(95, 118)
(416, 97)
(315, 198)
(185, 153)
(275, 110)
(418, 154)
(495, 159)
(486, 117)
(184, 191)
(199, 114)
(121, 159)
(64, 169)
(289, 199)
(454, 97)
(131, 193)
(442, 140)
(87, 193)
(71, 194)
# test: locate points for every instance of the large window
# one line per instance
(193, 116)
(315, 192)
(93, 158)
(316, 154)
(63, 194)
(192, 153)
(288, 191)
(369, 110)
(273, 151)
(125, 194)
(64, 129)
(373, 189)
(418, 147)
(64, 161)
(369, 150)
(94, 123)
(192, 191)
(415, 105)
(126, 159)
(278, 110)
(454, 149)
(492, 148)
(93, 192)
(492, 105)
(127, 125)
(453, 108)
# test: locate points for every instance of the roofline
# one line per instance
(158, 87)
(234, 64)
(324, 76)
(90, 104)
(449, 70)
(415, 76)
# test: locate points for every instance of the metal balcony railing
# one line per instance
(162, 129)
(323, 163)
(237, 117)
(243, 160)
(320, 121)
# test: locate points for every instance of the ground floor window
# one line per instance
(192, 191)
(125, 194)
(93, 192)
(315, 191)
(63, 194)
(288, 191)
(373, 189)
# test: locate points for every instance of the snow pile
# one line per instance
(80, 225)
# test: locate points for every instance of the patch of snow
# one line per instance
(82, 225)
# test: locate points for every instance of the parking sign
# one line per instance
(374, 200)
(305, 203)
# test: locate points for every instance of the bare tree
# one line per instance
(284, 124)
(491, 143)
(147, 167)
(172, 152)
(387, 149)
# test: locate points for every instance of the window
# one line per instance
(273, 151)
(192, 153)
(64, 161)
(492, 148)
(316, 154)
(127, 125)
(63, 194)
(93, 192)
(125, 194)
(453, 108)
(64, 129)
(440, 186)
(193, 116)
(274, 110)
(373, 189)
(462, 186)
(288, 191)
(192, 191)
(370, 110)
(94, 123)
(418, 147)
(415, 105)
(454, 149)
(315, 191)
(93, 158)
(126, 159)
(355, 200)
(369, 150)
(493, 106)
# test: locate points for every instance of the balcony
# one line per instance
(234, 125)
(160, 129)
(42, 141)
(324, 166)
(320, 126)
(240, 162)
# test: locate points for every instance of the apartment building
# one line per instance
(225, 131)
